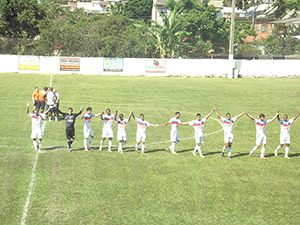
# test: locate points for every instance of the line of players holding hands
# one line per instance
(142, 124)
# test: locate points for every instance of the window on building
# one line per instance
(264, 28)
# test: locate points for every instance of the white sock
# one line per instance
(199, 150)
(194, 152)
(120, 145)
(279, 147)
(90, 141)
(253, 150)
(224, 148)
(173, 146)
(229, 151)
(109, 144)
(101, 143)
(85, 143)
(123, 143)
(287, 151)
(136, 146)
(262, 154)
(143, 148)
(34, 144)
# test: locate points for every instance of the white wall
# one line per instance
(174, 67)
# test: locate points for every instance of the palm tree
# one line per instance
(170, 35)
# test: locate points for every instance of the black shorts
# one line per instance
(70, 133)
(41, 105)
(36, 103)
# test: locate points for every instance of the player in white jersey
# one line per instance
(107, 131)
(142, 124)
(51, 100)
(87, 129)
(284, 134)
(174, 137)
(121, 130)
(36, 132)
(261, 138)
(198, 125)
(228, 127)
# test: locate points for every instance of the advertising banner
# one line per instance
(156, 66)
(113, 65)
(69, 64)
(29, 63)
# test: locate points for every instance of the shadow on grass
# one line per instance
(240, 154)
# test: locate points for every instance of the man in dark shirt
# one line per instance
(70, 121)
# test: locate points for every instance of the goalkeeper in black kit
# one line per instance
(70, 129)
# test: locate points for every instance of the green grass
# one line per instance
(156, 188)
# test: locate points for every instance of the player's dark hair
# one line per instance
(88, 108)
(70, 108)
(121, 114)
(36, 87)
(51, 88)
(141, 115)
(108, 109)
(198, 114)
(286, 115)
(262, 115)
(45, 88)
(227, 114)
(177, 113)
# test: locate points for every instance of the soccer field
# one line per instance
(59, 187)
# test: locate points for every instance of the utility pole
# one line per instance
(231, 41)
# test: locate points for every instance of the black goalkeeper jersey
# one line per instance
(69, 119)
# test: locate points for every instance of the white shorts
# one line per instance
(87, 131)
(285, 138)
(261, 139)
(121, 136)
(36, 133)
(199, 139)
(140, 137)
(228, 138)
(107, 133)
(174, 136)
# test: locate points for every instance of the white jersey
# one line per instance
(87, 119)
(36, 120)
(122, 124)
(174, 123)
(285, 125)
(50, 97)
(142, 125)
(108, 120)
(261, 125)
(198, 126)
(228, 124)
(57, 96)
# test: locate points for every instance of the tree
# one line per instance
(138, 9)
(170, 35)
(116, 9)
(19, 18)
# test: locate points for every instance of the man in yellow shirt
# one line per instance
(35, 98)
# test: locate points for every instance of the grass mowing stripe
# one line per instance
(32, 178)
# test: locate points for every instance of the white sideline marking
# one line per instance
(32, 178)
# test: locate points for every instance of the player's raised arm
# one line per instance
(251, 117)
(83, 112)
(279, 118)
(77, 114)
(185, 123)
(297, 115)
(209, 114)
(217, 113)
(115, 116)
(130, 116)
(238, 116)
(101, 114)
(274, 116)
(154, 125)
(27, 107)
